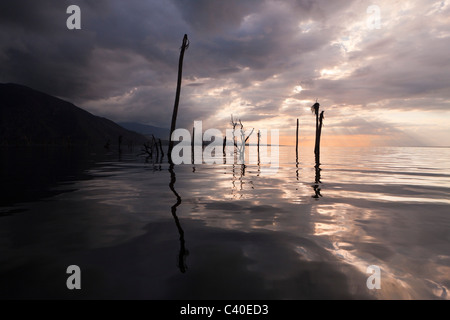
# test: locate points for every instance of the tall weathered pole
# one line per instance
(259, 143)
(296, 141)
(184, 46)
(193, 145)
(315, 109)
(319, 135)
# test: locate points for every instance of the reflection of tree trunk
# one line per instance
(316, 186)
(317, 190)
(318, 170)
(233, 179)
(183, 251)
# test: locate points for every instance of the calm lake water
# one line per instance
(139, 230)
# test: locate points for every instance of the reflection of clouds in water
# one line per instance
(261, 265)
(119, 193)
(344, 222)
(335, 220)
(265, 229)
(346, 231)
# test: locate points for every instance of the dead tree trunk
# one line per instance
(315, 110)
(184, 46)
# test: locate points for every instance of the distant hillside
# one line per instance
(30, 117)
(147, 130)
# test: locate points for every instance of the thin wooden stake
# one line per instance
(161, 149)
(224, 145)
(296, 140)
(193, 145)
(259, 142)
(319, 134)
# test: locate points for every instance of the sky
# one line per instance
(380, 81)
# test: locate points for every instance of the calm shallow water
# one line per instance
(232, 233)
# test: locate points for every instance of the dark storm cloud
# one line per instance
(31, 16)
(215, 17)
(126, 45)
(245, 56)
(37, 49)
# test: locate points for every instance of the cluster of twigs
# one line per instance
(153, 147)
(240, 148)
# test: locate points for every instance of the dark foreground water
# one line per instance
(139, 230)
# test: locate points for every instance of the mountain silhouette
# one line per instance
(30, 117)
(146, 130)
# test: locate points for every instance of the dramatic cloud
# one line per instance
(265, 61)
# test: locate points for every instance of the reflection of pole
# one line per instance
(183, 252)
(317, 169)
(233, 180)
(316, 186)
(184, 46)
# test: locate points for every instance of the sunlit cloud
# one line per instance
(264, 62)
